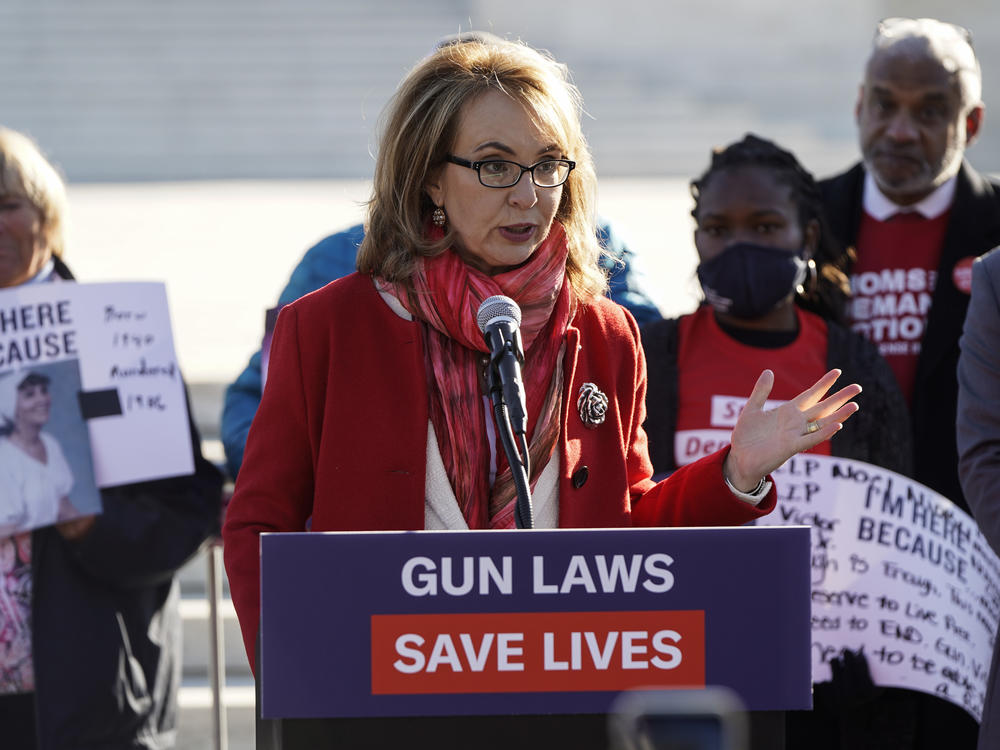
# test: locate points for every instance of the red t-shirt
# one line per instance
(891, 286)
(716, 374)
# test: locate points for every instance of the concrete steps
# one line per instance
(196, 713)
(188, 89)
(195, 615)
(118, 90)
(196, 716)
(196, 725)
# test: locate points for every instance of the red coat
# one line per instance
(341, 435)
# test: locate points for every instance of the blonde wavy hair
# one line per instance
(26, 173)
(419, 129)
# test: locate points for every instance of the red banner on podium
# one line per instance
(522, 652)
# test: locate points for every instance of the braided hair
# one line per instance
(827, 291)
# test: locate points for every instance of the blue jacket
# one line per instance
(335, 256)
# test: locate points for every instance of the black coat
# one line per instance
(105, 624)
(973, 229)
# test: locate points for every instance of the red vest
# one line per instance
(716, 374)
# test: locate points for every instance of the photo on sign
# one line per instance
(46, 467)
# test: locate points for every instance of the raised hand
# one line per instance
(763, 440)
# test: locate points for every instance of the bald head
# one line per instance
(919, 106)
(929, 41)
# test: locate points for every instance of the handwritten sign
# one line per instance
(897, 570)
(131, 390)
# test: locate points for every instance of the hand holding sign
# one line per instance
(76, 528)
(763, 440)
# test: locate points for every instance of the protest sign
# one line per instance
(130, 390)
(449, 623)
(898, 571)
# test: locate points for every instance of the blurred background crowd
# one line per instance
(210, 144)
(195, 136)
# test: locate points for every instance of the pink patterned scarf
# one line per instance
(447, 294)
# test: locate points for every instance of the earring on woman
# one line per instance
(438, 217)
(809, 285)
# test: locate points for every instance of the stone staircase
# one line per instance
(117, 90)
(196, 719)
(196, 715)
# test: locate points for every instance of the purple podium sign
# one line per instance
(422, 623)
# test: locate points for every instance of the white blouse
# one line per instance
(32, 489)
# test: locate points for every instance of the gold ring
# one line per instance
(811, 427)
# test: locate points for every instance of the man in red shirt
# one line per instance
(917, 216)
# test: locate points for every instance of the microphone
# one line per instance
(499, 318)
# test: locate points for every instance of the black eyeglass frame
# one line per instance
(477, 165)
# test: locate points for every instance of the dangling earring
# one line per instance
(809, 284)
(438, 217)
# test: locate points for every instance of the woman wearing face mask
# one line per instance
(33, 470)
(775, 296)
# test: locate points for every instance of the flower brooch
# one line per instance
(592, 405)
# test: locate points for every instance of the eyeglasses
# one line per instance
(498, 173)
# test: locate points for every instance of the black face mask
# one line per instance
(747, 280)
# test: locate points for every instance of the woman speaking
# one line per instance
(373, 416)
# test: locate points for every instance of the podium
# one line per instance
(524, 639)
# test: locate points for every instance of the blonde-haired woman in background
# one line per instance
(89, 608)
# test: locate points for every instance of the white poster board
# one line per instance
(120, 334)
(898, 571)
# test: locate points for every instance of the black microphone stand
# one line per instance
(520, 462)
